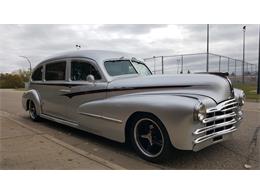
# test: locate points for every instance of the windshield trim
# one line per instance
(140, 62)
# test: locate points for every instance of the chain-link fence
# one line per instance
(191, 63)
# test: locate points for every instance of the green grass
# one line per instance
(250, 91)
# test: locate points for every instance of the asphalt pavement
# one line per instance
(25, 144)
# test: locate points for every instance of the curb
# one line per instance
(88, 155)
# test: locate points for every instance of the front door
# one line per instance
(83, 91)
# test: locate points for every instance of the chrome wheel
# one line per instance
(148, 137)
(32, 110)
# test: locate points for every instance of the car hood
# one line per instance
(212, 86)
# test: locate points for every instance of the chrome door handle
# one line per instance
(65, 90)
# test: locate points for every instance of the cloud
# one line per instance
(130, 28)
(145, 40)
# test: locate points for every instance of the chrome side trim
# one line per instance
(205, 129)
(207, 137)
(59, 120)
(101, 117)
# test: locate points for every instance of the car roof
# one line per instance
(98, 55)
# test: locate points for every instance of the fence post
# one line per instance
(162, 66)
(236, 69)
(207, 65)
(154, 64)
(258, 73)
(219, 63)
(182, 64)
(228, 65)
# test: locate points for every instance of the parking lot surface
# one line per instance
(63, 147)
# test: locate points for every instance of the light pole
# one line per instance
(207, 65)
(28, 62)
(258, 78)
(243, 66)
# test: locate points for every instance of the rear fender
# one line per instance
(34, 96)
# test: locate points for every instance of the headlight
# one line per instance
(241, 99)
(200, 112)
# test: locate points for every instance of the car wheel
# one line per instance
(32, 111)
(150, 138)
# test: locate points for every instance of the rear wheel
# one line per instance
(33, 112)
(150, 138)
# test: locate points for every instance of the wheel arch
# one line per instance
(131, 118)
(31, 95)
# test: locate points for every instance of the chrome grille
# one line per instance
(219, 120)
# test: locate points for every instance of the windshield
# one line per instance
(125, 67)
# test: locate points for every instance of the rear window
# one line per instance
(55, 71)
(37, 74)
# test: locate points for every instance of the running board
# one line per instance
(59, 120)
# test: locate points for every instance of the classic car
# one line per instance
(115, 95)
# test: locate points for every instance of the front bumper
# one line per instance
(219, 125)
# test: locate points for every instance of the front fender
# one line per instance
(175, 112)
(34, 96)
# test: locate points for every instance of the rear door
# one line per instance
(55, 85)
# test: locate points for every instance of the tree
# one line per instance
(14, 80)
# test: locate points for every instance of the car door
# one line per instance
(55, 85)
(81, 90)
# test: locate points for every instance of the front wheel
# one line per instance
(150, 138)
(32, 111)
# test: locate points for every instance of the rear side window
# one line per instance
(37, 74)
(81, 69)
(55, 71)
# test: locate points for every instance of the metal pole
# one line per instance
(154, 64)
(228, 65)
(258, 78)
(28, 62)
(243, 66)
(181, 64)
(207, 67)
(162, 66)
(236, 69)
(219, 63)
(178, 63)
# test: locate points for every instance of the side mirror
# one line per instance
(90, 78)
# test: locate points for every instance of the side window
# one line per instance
(81, 69)
(55, 71)
(37, 74)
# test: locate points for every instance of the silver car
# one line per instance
(115, 95)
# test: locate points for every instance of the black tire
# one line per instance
(149, 138)
(32, 111)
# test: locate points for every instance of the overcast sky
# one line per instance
(40, 41)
